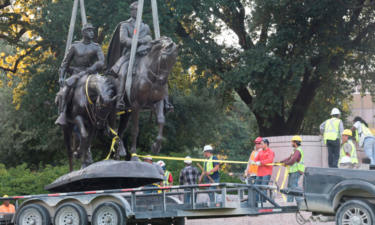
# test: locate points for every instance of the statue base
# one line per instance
(107, 175)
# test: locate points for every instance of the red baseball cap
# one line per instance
(258, 139)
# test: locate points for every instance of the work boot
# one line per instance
(63, 120)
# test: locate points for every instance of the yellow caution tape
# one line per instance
(226, 161)
(113, 143)
(285, 176)
(202, 160)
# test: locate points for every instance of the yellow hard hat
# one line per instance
(347, 132)
(5, 196)
(297, 138)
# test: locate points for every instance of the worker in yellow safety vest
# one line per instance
(348, 147)
(331, 130)
(168, 175)
(296, 161)
(364, 138)
(211, 169)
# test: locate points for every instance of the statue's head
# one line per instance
(134, 10)
(88, 31)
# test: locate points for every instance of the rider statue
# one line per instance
(83, 54)
(118, 57)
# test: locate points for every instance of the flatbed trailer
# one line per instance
(128, 206)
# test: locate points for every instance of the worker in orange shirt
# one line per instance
(7, 207)
(251, 170)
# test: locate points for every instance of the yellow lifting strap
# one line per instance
(113, 143)
(87, 89)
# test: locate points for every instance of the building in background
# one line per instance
(364, 107)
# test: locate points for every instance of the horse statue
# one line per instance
(94, 99)
(149, 87)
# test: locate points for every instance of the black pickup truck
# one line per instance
(346, 196)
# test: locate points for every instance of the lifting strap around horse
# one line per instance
(113, 132)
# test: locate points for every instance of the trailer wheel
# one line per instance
(109, 213)
(33, 214)
(355, 212)
(70, 214)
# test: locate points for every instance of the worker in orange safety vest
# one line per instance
(251, 170)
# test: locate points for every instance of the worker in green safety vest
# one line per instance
(297, 164)
(348, 148)
(331, 129)
(211, 169)
(364, 138)
(168, 175)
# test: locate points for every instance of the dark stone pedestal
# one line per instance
(106, 175)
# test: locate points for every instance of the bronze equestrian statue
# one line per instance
(118, 55)
(153, 63)
(86, 99)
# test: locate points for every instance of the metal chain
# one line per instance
(300, 220)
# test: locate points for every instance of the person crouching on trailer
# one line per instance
(296, 161)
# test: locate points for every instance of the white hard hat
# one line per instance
(335, 111)
(208, 148)
(346, 159)
(187, 160)
(148, 157)
(161, 163)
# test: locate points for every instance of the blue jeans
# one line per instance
(369, 148)
(212, 194)
(188, 197)
(266, 178)
(151, 185)
(292, 183)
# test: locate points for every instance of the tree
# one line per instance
(288, 52)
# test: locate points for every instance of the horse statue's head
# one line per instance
(103, 92)
(104, 106)
(163, 55)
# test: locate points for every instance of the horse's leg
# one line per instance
(84, 136)
(67, 139)
(155, 148)
(124, 123)
(120, 150)
(86, 153)
(76, 140)
(136, 109)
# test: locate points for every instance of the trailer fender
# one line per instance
(89, 202)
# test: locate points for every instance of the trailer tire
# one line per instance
(356, 211)
(72, 212)
(109, 213)
(33, 214)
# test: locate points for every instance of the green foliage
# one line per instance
(20, 180)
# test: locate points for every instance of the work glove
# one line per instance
(251, 162)
(258, 163)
